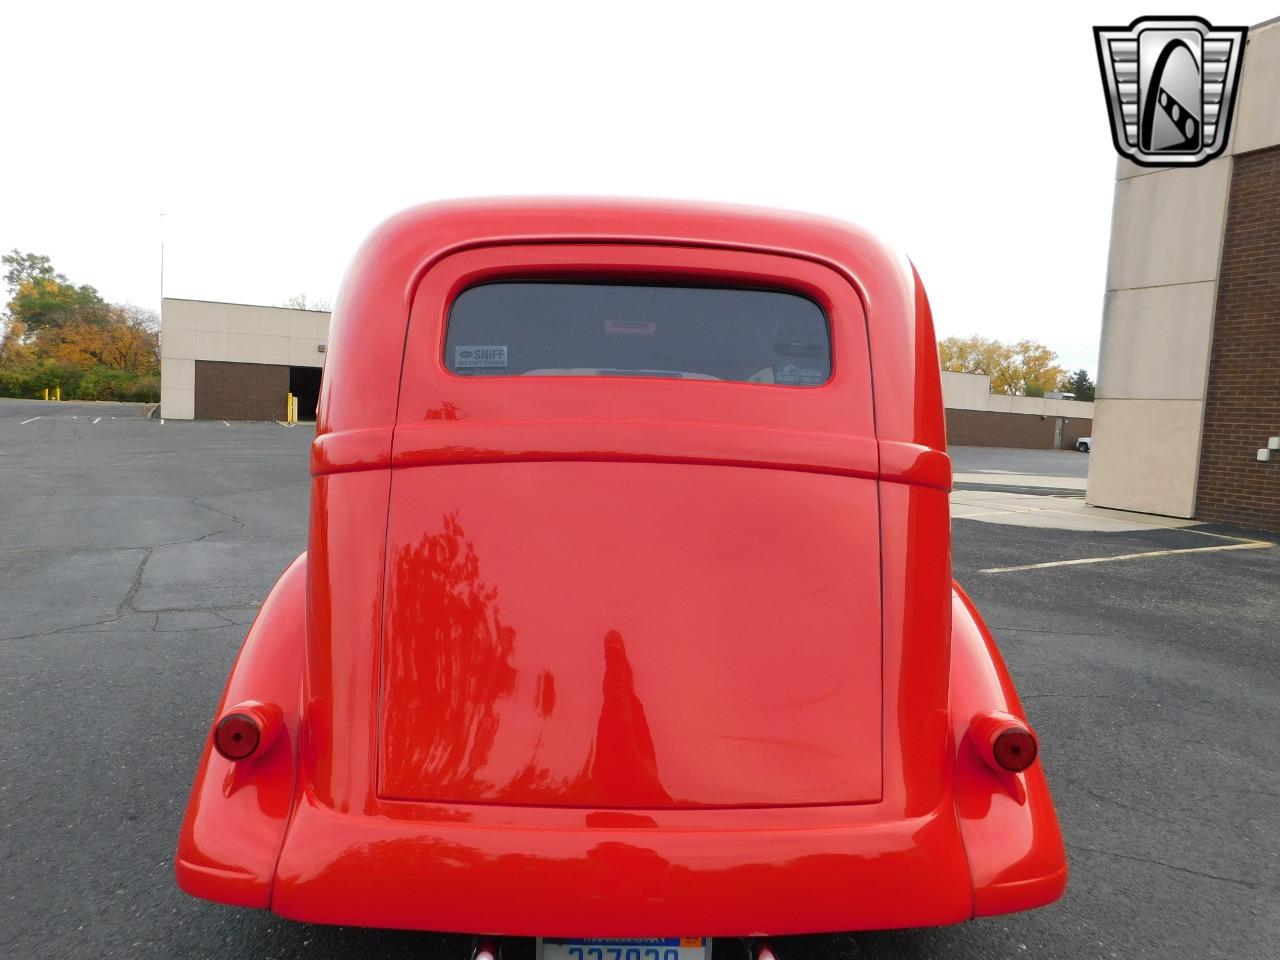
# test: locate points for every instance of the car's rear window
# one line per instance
(562, 329)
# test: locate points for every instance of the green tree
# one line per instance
(23, 267)
(1079, 385)
(45, 302)
(40, 296)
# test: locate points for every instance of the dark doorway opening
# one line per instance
(304, 383)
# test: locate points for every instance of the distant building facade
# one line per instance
(976, 417)
(236, 361)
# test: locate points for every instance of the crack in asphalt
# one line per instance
(1090, 696)
(1056, 633)
(196, 502)
(114, 618)
(80, 548)
(1128, 806)
(212, 611)
(1252, 885)
(126, 605)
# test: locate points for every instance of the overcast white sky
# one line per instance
(273, 137)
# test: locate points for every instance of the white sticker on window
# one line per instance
(788, 373)
(473, 357)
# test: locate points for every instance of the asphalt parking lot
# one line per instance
(133, 553)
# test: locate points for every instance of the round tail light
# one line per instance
(1015, 749)
(1006, 743)
(246, 729)
(237, 736)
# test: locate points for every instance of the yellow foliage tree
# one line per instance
(113, 340)
(1025, 368)
(14, 349)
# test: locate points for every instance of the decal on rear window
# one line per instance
(487, 357)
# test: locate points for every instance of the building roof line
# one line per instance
(237, 303)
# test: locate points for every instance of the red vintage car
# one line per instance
(627, 608)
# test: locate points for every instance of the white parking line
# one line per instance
(1247, 545)
(95, 421)
(25, 422)
(225, 424)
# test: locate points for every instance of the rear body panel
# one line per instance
(631, 635)
(595, 656)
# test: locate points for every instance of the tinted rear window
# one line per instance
(623, 330)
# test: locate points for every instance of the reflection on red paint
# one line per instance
(624, 766)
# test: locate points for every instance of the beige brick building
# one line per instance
(1189, 372)
(235, 361)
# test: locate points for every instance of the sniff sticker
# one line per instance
(470, 358)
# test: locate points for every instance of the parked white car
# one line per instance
(1084, 443)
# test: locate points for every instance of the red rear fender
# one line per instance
(1008, 822)
(238, 811)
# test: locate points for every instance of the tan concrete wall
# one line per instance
(1166, 227)
(1144, 455)
(1257, 124)
(1040, 406)
(192, 330)
(1155, 341)
(965, 391)
(1156, 332)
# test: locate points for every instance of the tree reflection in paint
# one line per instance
(460, 660)
(454, 686)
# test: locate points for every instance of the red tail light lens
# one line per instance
(1005, 742)
(237, 736)
(1015, 749)
(247, 729)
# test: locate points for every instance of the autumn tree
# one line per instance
(14, 348)
(1025, 368)
(117, 342)
(62, 334)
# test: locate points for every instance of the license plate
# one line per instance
(623, 948)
